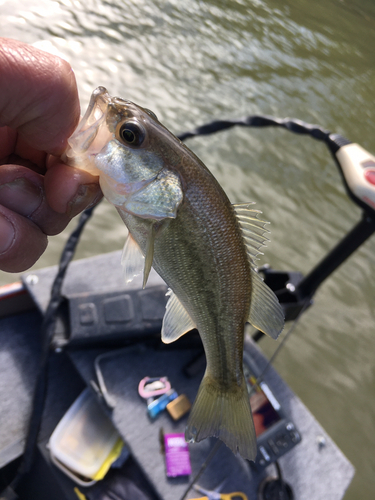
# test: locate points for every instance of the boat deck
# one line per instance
(315, 468)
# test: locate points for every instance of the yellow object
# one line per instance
(80, 495)
(85, 442)
(179, 407)
(215, 495)
(114, 454)
(236, 495)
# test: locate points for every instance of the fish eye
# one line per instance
(131, 133)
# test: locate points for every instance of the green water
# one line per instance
(194, 61)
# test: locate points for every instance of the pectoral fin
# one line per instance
(149, 254)
(159, 199)
(132, 259)
(176, 321)
(266, 314)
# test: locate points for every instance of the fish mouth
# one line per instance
(90, 136)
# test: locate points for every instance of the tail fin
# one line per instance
(223, 413)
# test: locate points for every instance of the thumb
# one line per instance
(38, 95)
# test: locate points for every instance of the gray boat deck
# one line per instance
(314, 472)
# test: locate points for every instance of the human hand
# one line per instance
(39, 110)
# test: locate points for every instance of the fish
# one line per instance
(182, 224)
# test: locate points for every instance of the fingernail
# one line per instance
(7, 234)
(21, 196)
(86, 196)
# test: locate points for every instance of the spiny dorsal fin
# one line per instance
(253, 229)
(266, 313)
(176, 321)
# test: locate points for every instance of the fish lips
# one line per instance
(90, 136)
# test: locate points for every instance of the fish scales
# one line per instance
(200, 272)
(181, 223)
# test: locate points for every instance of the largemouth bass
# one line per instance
(182, 223)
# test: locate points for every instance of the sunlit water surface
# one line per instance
(194, 61)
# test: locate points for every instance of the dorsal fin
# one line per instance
(265, 313)
(253, 229)
(176, 321)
